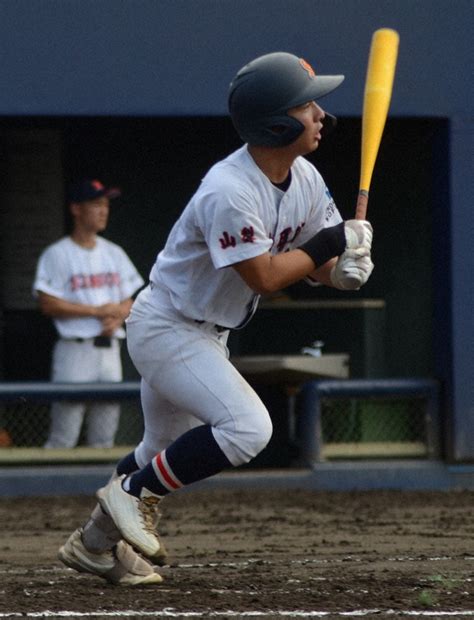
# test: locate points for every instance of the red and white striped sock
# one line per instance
(193, 456)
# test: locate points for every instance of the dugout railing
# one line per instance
(24, 420)
(350, 418)
(417, 401)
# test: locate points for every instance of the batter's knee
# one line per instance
(264, 431)
(242, 444)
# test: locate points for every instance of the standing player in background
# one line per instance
(85, 283)
(262, 219)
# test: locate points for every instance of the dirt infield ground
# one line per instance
(258, 554)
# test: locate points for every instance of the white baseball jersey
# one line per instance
(237, 214)
(95, 276)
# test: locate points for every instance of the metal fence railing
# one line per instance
(24, 418)
(369, 418)
(334, 419)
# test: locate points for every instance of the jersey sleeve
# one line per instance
(51, 275)
(233, 231)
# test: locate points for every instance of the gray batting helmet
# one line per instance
(266, 88)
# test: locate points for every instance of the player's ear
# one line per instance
(74, 208)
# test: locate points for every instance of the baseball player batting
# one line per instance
(262, 219)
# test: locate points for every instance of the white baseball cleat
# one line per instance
(161, 558)
(120, 566)
(134, 517)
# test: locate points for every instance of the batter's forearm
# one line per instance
(323, 274)
(266, 274)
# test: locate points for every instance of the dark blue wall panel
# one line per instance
(167, 57)
(462, 287)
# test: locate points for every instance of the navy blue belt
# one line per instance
(218, 328)
(104, 342)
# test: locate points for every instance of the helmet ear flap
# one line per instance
(280, 130)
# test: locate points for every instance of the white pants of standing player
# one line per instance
(187, 381)
(82, 362)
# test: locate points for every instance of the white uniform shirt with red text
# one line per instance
(92, 276)
(237, 214)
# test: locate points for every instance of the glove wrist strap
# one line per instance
(326, 244)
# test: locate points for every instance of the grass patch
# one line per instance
(427, 598)
(438, 585)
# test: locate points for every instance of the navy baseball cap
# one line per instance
(90, 189)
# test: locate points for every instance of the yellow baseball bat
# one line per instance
(377, 95)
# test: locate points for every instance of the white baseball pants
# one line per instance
(82, 362)
(188, 380)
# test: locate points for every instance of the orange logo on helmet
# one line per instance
(307, 67)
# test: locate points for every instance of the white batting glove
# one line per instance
(359, 233)
(352, 270)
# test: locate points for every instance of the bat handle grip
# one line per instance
(361, 206)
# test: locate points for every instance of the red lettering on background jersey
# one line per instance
(227, 241)
(96, 280)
